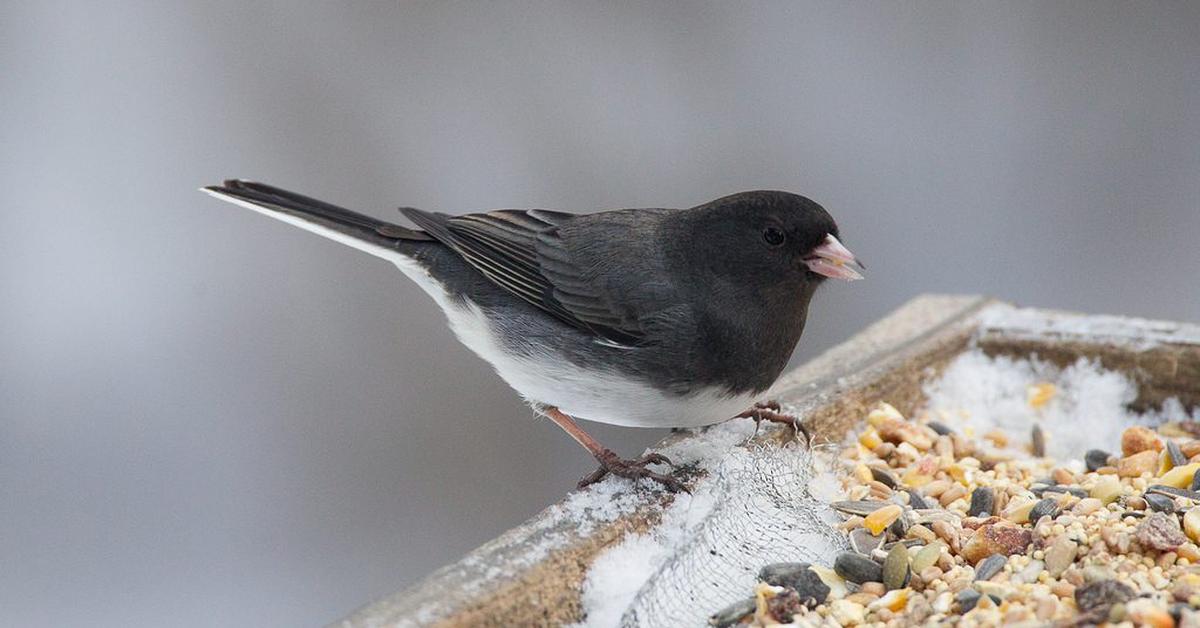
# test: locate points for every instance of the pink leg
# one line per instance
(609, 461)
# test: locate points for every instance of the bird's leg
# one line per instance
(609, 461)
(770, 411)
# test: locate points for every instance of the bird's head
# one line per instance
(768, 237)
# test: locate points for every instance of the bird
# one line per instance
(657, 317)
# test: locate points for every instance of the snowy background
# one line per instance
(209, 418)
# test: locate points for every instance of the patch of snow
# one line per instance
(1088, 410)
(618, 574)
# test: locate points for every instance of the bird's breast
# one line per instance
(534, 362)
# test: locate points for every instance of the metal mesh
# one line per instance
(765, 512)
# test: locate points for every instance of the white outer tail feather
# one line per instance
(390, 255)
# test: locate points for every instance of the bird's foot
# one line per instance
(633, 469)
(770, 411)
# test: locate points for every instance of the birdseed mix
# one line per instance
(950, 527)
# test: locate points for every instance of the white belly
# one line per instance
(601, 396)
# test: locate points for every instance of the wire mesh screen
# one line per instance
(765, 512)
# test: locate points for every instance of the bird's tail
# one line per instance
(377, 237)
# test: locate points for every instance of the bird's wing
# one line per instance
(540, 257)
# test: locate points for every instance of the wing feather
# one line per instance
(522, 252)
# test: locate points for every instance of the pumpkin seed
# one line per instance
(927, 556)
(896, 571)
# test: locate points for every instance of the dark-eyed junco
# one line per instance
(636, 317)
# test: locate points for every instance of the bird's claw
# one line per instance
(633, 470)
(770, 411)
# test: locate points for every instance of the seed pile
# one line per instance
(947, 527)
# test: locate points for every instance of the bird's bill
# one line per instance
(832, 259)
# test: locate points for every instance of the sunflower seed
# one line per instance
(941, 428)
(781, 574)
(1044, 508)
(860, 507)
(968, 598)
(1095, 458)
(1159, 503)
(899, 527)
(857, 568)
(1101, 595)
(1176, 454)
(983, 502)
(798, 577)
(885, 478)
(990, 566)
(863, 542)
(916, 501)
(1171, 491)
(733, 614)
(1039, 441)
(1074, 490)
(812, 590)
(905, 542)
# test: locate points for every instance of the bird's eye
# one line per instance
(773, 236)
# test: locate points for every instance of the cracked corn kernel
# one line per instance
(893, 600)
(1164, 462)
(1040, 394)
(913, 478)
(870, 439)
(879, 520)
(862, 473)
(1107, 490)
(1191, 523)
(998, 438)
(883, 413)
(1180, 477)
(1019, 512)
(959, 472)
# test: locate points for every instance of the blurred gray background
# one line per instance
(211, 418)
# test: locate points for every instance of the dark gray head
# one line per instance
(768, 237)
(751, 261)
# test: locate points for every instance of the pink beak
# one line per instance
(833, 260)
